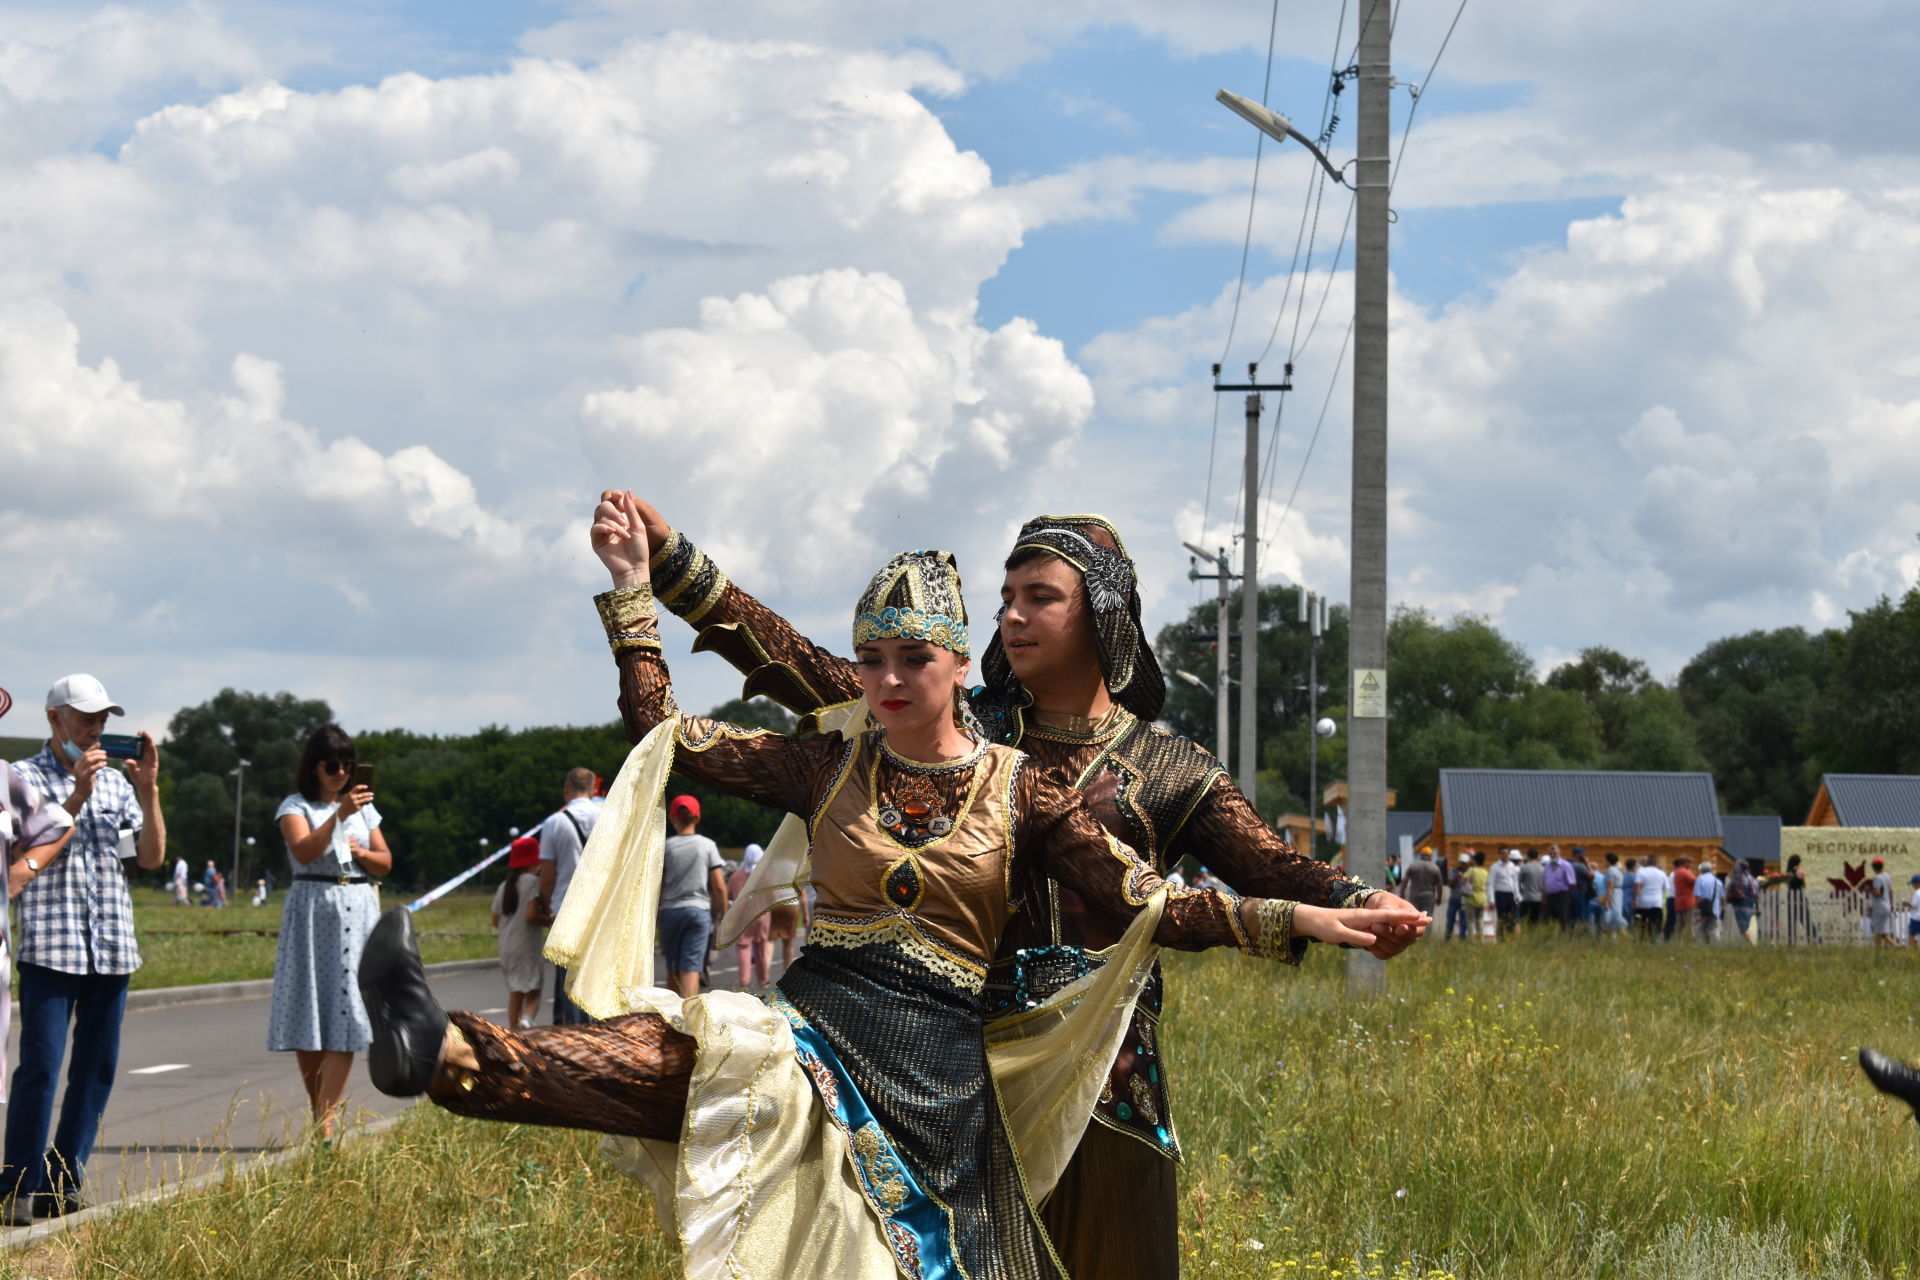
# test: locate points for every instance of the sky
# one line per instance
(322, 325)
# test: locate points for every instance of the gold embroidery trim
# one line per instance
(628, 615)
(899, 931)
(1274, 920)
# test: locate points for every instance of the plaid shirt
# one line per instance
(76, 916)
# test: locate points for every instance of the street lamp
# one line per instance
(239, 788)
(1277, 127)
(1193, 680)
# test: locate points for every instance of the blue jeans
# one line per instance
(565, 1012)
(50, 1001)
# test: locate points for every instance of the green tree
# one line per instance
(1641, 723)
(1463, 696)
(1282, 722)
(1752, 699)
(203, 746)
(1869, 717)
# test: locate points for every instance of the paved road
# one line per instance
(197, 1080)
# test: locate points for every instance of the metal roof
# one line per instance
(1756, 837)
(1416, 824)
(1874, 799)
(1578, 804)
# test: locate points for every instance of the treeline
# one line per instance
(446, 800)
(1767, 712)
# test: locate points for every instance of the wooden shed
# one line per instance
(1661, 816)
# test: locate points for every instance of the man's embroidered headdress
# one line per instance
(916, 597)
(1092, 545)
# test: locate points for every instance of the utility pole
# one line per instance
(239, 789)
(1367, 625)
(1250, 579)
(1222, 724)
(1313, 612)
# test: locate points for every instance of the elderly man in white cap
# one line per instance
(76, 947)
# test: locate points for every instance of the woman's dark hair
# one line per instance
(510, 897)
(328, 742)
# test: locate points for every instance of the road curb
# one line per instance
(252, 988)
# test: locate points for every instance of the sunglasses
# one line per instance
(337, 766)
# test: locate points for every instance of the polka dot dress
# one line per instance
(316, 994)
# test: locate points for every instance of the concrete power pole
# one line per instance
(1222, 720)
(1367, 645)
(1250, 612)
(1250, 580)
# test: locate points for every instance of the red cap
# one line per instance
(525, 852)
(684, 804)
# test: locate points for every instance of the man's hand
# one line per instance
(144, 769)
(91, 762)
(1393, 938)
(1366, 926)
(658, 530)
(620, 538)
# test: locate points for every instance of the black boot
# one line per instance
(1895, 1079)
(409, 1026)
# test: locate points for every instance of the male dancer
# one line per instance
(1072, 681)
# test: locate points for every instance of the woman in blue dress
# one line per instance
(333, 836)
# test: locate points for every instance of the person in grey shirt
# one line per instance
(1422, 882)
(1533, 887)
(562, 837)
(693, 894)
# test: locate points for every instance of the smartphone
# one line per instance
(363, 775)
(123, 746)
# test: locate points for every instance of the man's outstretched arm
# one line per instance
(1230, 838)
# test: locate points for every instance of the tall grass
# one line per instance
(1548, 1107)
(1544, 1108)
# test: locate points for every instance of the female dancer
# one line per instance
(848, 1125)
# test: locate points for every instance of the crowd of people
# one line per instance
(1482, 896)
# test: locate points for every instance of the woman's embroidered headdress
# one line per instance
(1092, 545)
(916, 597)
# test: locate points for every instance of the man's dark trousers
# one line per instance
(51, 1001)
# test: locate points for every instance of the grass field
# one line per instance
(181, 946)
(1539, 1109)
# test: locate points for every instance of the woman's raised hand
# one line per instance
(620, 538)
(354, 799)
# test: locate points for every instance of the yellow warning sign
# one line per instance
(1370, 693)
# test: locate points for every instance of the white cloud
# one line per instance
(1696, 419)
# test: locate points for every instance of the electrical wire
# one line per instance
(1253, 196)
(1399, 157)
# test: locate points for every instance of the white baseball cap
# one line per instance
(83, 693)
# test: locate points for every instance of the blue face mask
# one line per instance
(73, 752)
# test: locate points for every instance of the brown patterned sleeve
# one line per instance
(1054, 826)
(755, 764)
(763, 646)
(1232, 840)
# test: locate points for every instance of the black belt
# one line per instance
(337, 879)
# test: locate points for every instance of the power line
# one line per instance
(1332, 383)
(1253, 196)
(1407, 133)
